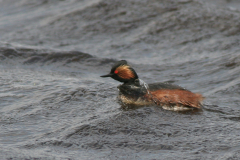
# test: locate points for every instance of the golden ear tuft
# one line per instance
(124, 72)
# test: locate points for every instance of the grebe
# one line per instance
(135, 91)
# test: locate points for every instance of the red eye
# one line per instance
(116, 71)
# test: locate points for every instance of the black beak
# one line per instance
(107, 75)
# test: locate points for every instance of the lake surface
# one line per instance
(55, 105)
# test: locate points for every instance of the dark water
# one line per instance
(54, 105)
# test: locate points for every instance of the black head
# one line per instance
(122, 72)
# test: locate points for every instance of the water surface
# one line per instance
(54, 105)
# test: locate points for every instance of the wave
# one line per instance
(29, 56)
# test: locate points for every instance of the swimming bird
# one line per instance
(134, 91)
